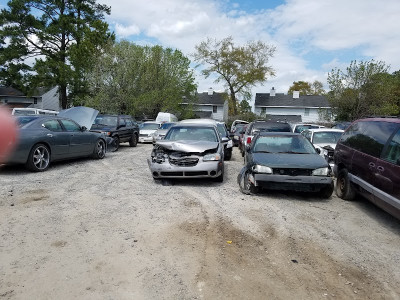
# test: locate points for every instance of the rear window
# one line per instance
(272, 127)
(22, 120)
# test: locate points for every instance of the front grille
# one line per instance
(293, 172)
(184, 161)
(182, 174)
(143, 135)
(171, 173)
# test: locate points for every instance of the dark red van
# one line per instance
(367, 161)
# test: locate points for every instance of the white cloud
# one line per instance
(298, 28)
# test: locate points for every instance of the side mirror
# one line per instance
(83, 128)
(318, 150)
(225, 139)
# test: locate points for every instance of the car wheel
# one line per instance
(39, 158)
(344, 188)
(228, 155)
(99, 151)
(116, 143)
(327, 191)
(246, 186)
(133, 140)
(220, 178)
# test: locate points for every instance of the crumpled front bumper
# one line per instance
(203, 169)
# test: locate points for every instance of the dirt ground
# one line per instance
(88, 229)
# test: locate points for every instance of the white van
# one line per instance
(163, 117)
(33, 111)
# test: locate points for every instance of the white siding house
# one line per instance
(311, 108)
(211, 105)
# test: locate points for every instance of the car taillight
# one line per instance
(248, 140)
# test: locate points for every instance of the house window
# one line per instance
(215, 109)
(34, 100)
(306, 111)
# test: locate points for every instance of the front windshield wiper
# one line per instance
(262, 151)
(294, 152)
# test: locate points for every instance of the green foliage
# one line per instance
(60, 34)
(365, 89)
(240, 67)
(244, 107)
(142, 81)
(306, 88)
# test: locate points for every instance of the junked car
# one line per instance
(324, 140)
(146, 131)
(44, 139)
(284, 161)
(188, 151)
(299, 127)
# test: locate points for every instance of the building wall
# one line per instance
(313, 113)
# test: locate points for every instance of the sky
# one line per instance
(311, 36)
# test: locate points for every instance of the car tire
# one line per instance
(99, 151)
(133, 140)
(116, 143)
(326, 192)
(39, 158)
(220, 178)
(228, 155)
(245, 185)
(344, 188)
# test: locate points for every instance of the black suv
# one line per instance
(122, 128)
(367, 161)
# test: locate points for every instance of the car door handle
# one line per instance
(49, 135)
(381, 169)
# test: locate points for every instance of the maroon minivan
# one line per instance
(367, 161)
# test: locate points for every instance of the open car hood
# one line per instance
(188, 146)
(82, 115)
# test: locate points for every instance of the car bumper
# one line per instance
(296, 183)
(209, 169)
(145, 139)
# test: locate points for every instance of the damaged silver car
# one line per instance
(188, 151)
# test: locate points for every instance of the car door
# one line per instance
(57, 138)
(80, 142)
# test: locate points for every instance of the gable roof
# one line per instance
(282, 100)
(10, 91)
(213, 99)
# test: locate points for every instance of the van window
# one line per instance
(368, 136)
(392, 152)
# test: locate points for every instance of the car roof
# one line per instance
(200, 121)
(179, 124)
(325, 130)
(381, 119)
(268, 133)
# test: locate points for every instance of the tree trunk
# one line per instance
(63, 96)
(233, 101)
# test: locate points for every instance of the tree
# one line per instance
(53, 32)
(306, 88)
(240, 67)
(139, 80)
(364, 89)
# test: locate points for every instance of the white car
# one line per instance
(299, 127)
(324, 139)
(146, 131)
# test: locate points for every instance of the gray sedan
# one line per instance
(43, 139)
(189, 151)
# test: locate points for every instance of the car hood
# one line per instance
(287, 160)
(82, 115)
(188, 146)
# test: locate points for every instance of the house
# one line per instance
(42, 98)
(211, 105)
(311, 108)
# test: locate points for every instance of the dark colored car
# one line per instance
(367, 161)
(262, 126)
(235, 133)
(284, 161)
(122, 128)
(44, 139)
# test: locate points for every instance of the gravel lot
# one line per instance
(88, 229)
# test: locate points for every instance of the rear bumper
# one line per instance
(145, 139)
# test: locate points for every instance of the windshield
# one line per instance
(106, 121)
(221, 129)
(149, 126)
(326, 137)
(166, 125)
(272, 127)
(192, 134)
(18, 112)
(283, 144)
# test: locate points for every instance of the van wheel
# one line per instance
(344, 188)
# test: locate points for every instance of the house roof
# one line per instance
(282, 100)
(10, 91)
(213, 99)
